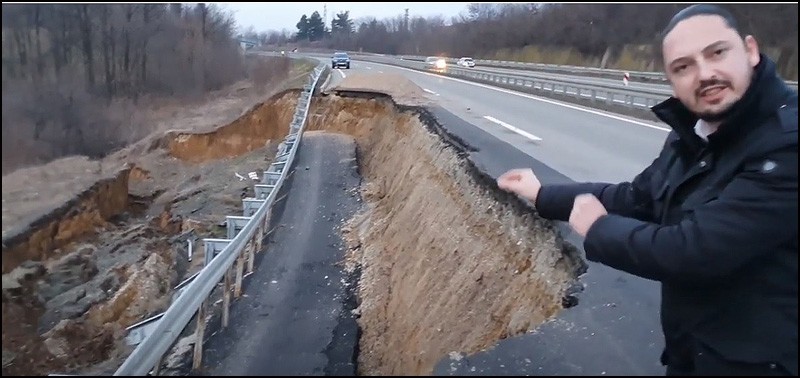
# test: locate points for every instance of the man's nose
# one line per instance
(705, 70)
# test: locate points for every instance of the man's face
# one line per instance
(708, 64)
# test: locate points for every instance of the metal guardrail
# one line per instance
(580, 70)
(650, 75)
(610, 95)
(630, 97)
(245, 240)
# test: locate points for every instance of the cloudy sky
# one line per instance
(278, 16)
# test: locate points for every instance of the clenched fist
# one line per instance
(586, 210)
(522, 182)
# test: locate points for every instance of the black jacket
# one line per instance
(716, 223)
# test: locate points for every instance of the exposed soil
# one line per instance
(448, 262)
(92, 247)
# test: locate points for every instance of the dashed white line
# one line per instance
(595, 112)
(430, 91)
(369, 68)
(514, 129)
(380, 71)
(341, 72)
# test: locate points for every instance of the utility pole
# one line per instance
(406, 25)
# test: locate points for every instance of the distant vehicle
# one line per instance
(466, 62)
(435, 63)
(340, 59)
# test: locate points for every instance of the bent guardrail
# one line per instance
(245, 235)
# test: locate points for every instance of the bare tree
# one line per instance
(58, 57)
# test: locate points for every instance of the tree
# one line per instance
(316, 27)
(63, 63)
(302, 28)
(342, 24)
(483, 11)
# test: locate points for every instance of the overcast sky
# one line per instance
(278, 16)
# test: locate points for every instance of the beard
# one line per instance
(719, 115)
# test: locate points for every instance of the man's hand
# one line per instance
(586, 210)
(522, 182)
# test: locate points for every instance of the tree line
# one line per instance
(64, 65)
(120, 49)
(598, 32)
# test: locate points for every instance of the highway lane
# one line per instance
(615, 328)
(295, 315)
(582, 143)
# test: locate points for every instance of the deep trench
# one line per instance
(447, 261)
(444, 260)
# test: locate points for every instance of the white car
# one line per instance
(435, 63)
(466, 62)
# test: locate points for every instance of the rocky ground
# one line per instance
(91, 247)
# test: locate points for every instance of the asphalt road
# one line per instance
(294, 317)
(615, 328)
(582, 143)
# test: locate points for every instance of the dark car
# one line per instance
(340, 59)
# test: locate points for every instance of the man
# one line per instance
(714, 217)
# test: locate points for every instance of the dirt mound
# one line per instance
(448, 262)
(268, 121)
(46, 208)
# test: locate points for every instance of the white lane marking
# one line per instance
(595, 112)
(430, 91)
(341, 72)
(380, 71)
(369, 68)
(514, 129)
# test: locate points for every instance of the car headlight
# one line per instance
(441, 63)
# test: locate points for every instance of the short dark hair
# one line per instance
(701, 10)
(697, 10)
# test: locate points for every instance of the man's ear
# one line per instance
(751, 47)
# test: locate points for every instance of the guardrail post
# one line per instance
(157, 368)
(251, 253)
(197, 357)
(237, 287)
(263, 191)
(270, 178)
(212, 247)
(226, 299)
(235, 224)
(250, 206)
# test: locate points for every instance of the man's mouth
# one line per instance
(712, 93)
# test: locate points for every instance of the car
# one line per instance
(340, 59)
(466, 62)
(435, 63)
